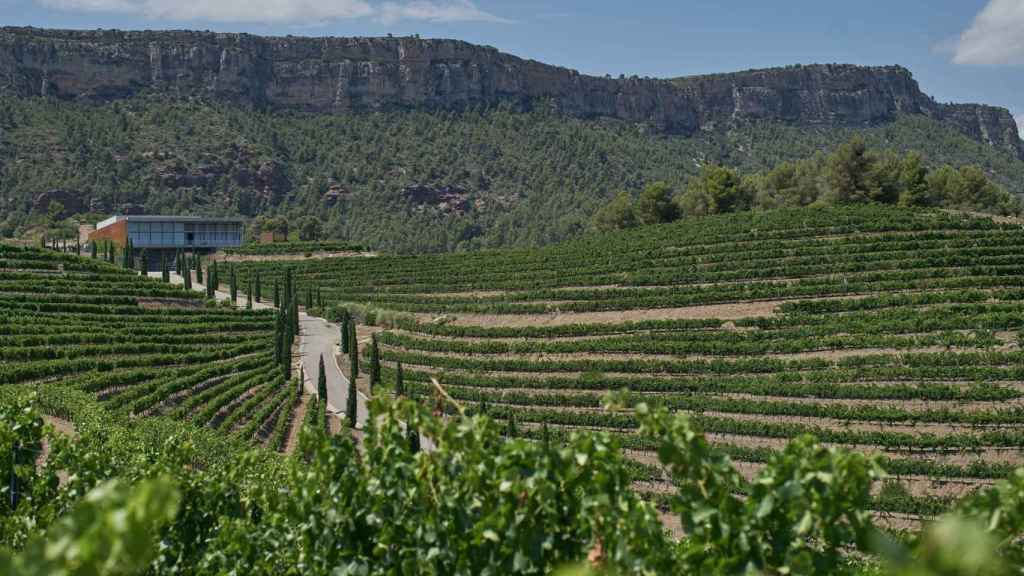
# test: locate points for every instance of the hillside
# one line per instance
(417, 145)
(141, 347)
(401, 181)
(891, 332)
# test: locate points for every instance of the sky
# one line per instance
(959, 50)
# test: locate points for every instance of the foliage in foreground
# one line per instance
(478, 504)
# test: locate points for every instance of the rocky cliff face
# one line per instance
(342, 74)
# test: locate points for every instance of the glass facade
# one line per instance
(171, 234)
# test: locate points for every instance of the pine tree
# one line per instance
(321, 380)
(374, 363)
(259, 287)
(399, 381)
(352, 405)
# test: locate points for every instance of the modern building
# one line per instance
(165, 235)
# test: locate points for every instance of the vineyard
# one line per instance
(141, 347)
(891, 332)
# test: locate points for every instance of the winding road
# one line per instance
(316, 336)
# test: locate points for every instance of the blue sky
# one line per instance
(959, 50)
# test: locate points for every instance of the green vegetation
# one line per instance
(142, 347)
(850, 175)
(895, 330)
(376, 180)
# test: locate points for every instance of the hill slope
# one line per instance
(891, 331)
(402, 181)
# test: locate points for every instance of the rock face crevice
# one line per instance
(350, 74)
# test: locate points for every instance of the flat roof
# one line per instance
(148, 218)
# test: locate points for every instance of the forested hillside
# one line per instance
(401, 181)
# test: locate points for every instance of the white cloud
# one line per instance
(995, 37)
(282, 11)
(452, 11)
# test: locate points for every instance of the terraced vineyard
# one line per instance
(886, 330)
(141, 346)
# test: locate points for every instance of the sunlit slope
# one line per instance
(141, 346)
(890, 331)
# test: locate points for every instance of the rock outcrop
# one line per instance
(343, 74)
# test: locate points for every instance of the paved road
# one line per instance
(319, 336)
(316, 336)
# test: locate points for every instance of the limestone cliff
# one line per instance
(342, 74)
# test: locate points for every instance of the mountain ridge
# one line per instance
(344, 74)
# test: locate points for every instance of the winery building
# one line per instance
(165, 235)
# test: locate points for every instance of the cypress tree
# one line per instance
(233, 282)
(259, 287)
(352, 405)
(511, 428)
(319, 298)
(277, 293)
(399, 381)
(210, 286)
(92, 249)
(374, 363)
(414, 439)
(321, 381)
(344, 331)
(248, 300)
(165, 272)
(42, 241)
(295, 314)
(214, 272)
(78, 246)
(278, 337)
(186, 277)
(309, 298)
(353, 353)
(199, 267)
(286, 351)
